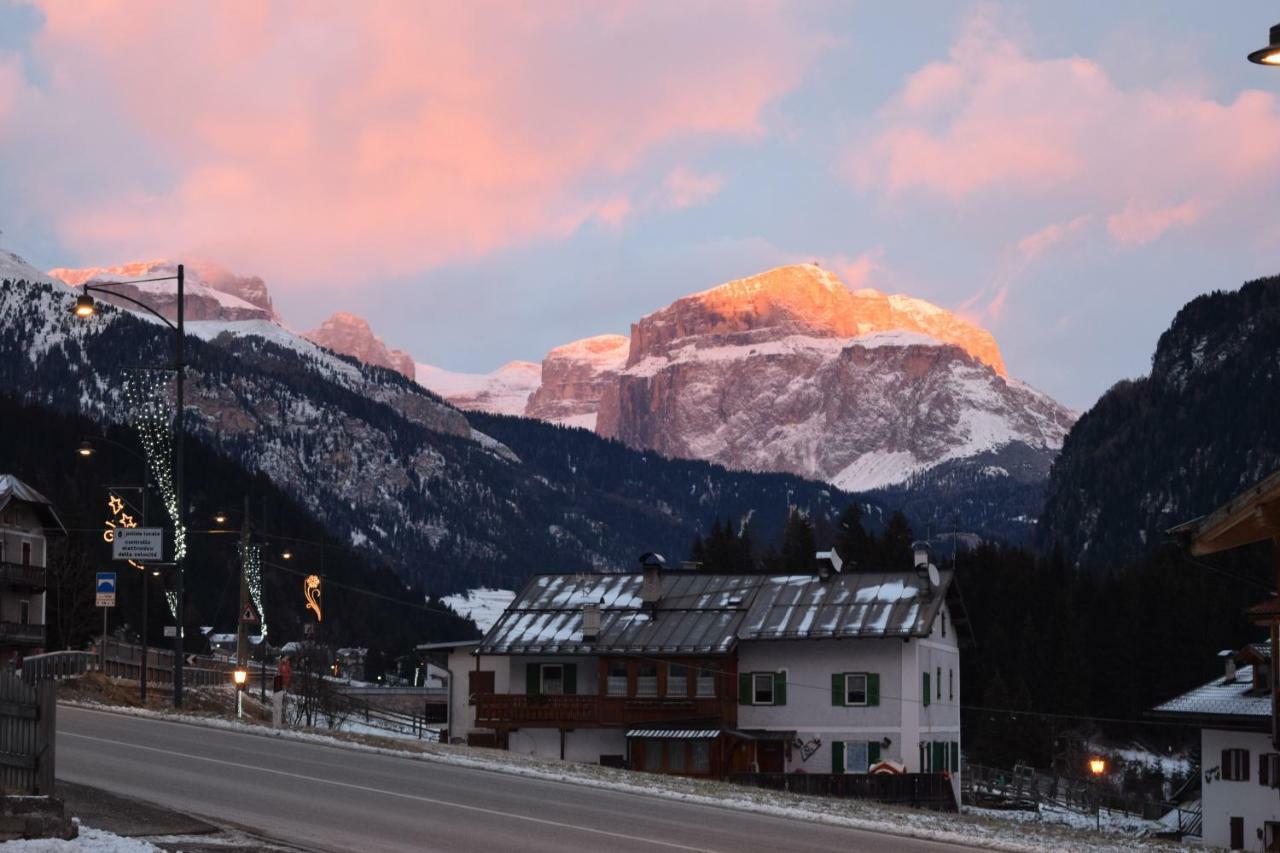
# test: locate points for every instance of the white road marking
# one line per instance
(415, 797)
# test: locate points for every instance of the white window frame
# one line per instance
(611, 680)
(850, 766)
(542, 679)
(1237, 768)
(707, 677)
(642, 681)
(682, 690)
(865, 696)
(755, 689)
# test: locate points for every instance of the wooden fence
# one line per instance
(26, 735)
(1028, 789)
(922, 790)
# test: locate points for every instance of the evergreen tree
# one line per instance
(852, 541)
(798, 546)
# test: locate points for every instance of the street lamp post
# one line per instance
(1097, 766)
(1269, 55)
(85, 307)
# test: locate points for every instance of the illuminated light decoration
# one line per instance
(251, 558)
(311, 592)
(146, 395)
(172, 597)
(121, 519)
(1097, 766)
(115, 504)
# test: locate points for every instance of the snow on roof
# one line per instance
(705, 613)
(13, 489)
(1222, 698)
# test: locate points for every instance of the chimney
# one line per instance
(1229, 665)
(829, 563)
(651, 586)
(920, 553)
(590, 621)
(926, 572)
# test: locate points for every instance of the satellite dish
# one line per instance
(934, 578)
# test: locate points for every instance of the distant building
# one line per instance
(709, 675)
(27, 518)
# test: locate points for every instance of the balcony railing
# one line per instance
(17, 574)
(518, 708)
(16, 632)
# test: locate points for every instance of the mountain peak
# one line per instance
(212, 291)
(351, 335)
(806, 299)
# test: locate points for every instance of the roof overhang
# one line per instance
(1252, 516)
(1226, 722)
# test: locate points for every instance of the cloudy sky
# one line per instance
(483, 181)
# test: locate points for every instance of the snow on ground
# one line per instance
(1015, 832)
(504, 391)
(482, 606)
(96, 840)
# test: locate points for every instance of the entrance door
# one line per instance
(769, 755)
(1237, 833)
(1271, 837)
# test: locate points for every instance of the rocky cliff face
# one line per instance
(574, 378)
(212, 292)
(350, 335)
(791, 371)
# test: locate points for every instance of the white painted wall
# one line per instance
(462, 714)
(1222, 799)
(589, 744)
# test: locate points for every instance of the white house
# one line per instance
(1240, 764)
(683, 672)
(27, 518)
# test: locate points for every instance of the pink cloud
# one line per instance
(1136, 225)
(686, 188)
(328, 140)
(1036, 244)
(993, 124)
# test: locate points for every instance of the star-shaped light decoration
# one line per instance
(126, 520)
(115, 504)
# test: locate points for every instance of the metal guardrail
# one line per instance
(52, 666)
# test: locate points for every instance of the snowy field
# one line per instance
(993, 830)
(482, 606)
(89, 839)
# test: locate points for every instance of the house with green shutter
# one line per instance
(677, 671)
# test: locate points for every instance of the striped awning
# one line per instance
(680, 734)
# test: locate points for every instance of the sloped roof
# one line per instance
(709, 614)
(1251, 516)
(12, 489)
(1228, 701)
(853, 605)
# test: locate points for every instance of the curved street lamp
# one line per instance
(1269, 55)
(86, 308)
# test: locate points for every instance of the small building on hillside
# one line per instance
(714, 675)
(1237, 713)
(27, 519)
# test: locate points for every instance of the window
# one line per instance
(1235, 765)
(939, 682)
(24, 611)
(855, 688)
(951, 685)
(653, 755)
(677, 680)
(856, 757)
(1269, 769)
(701, 762)
(675, 756)
(706, 684)
(927, 693)
(26, 553)
(552, 682)
(616, 683)
(647, 679)
(944, 623)
(762, 688)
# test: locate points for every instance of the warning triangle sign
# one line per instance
(249, 614)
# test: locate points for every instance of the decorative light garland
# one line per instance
(251, 559)
(146, 395)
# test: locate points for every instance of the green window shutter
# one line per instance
(837, 756)
(873, 688)
(532, 685)
(873, 753)
(927, 694)
(744, 688)
(779, 688)
(955, 755)
(837, 688)
(939, 756)
(924, 758)
(571, 678)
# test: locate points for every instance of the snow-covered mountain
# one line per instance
(212, 292)
(14, 268)
(351, 335)
(504, 391)
(574, 378)
(791, 371)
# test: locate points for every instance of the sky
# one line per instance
(485, 181)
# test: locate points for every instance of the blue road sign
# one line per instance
(105, 583)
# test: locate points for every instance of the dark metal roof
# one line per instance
(13, 489)
(708, 614)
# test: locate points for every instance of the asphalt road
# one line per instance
(329, 798)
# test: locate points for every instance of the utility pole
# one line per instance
(242, 633)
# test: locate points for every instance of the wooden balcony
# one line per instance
(14, 633)
(512, 710)
(17, 574)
